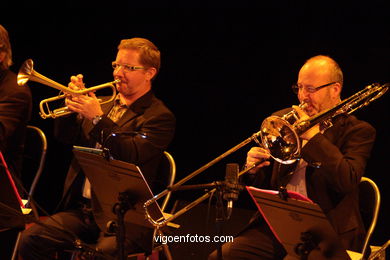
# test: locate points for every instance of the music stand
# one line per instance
(110, 178)
(120, 191)
(299, 224)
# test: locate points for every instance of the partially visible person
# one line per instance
(143, 128)
(15, 108)
(333, 162)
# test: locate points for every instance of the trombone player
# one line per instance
(333, 162)
(143, 128)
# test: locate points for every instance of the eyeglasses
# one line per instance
(117, 66)
(296, 88)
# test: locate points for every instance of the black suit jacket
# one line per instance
(146, 115)
(15, 112)
(342, 152)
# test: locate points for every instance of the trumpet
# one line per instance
(280, 135)
(27, 72)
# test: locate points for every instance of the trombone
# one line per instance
(280, 135)
(27, 72)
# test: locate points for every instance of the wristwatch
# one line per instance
(96, 120)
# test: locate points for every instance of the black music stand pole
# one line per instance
(219, 219)
(124, 204)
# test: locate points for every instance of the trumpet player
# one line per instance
(333, 162)
(136, 127)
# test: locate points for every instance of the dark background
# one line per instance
(223, 72)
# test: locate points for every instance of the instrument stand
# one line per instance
(124, 204)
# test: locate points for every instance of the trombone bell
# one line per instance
(280, 135)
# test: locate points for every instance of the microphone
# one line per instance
(231, 186)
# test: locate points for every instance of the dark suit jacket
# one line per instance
(146, 115)
(342, 152)
(15, 111)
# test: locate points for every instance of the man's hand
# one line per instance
(257, 155)
(86, 105)
(303, 116)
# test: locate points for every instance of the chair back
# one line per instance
(171, 177)
(34, 157)
(166, 177)
(369, 203)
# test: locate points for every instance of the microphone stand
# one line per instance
(219, 219)
(219, 188)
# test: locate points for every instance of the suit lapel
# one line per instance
(333, 133)
(107, 107)
(137, 108)
(127, 116)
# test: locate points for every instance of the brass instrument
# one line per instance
(280, 135)
(27, 73)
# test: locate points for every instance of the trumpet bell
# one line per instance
(25, 72)
(279, 137)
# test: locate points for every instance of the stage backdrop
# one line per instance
(223, 72)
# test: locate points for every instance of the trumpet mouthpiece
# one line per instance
(303, 105)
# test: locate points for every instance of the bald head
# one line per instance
(323, 67)
(324, 75)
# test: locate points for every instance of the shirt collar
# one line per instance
(118, 102)
(140, 104)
